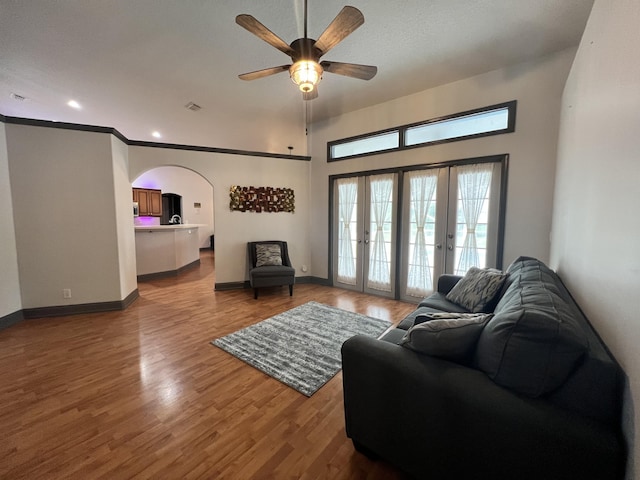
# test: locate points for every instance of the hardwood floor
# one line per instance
(142, 393)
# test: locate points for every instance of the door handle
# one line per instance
(449, 247)
(366, 242)
(439, 246)
(449, 235)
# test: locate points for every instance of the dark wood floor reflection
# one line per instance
(142, 393)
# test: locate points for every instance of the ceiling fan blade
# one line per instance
(345, 22)
(263, 73)
(259, 30)
(363, 72)
(310, 95)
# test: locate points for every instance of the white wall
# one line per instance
(234, 229)
(536, 85)
(596, 225)
(124, 218)
(193, 188)
(62, 185)
(10, 300)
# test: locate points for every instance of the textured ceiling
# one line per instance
(135, 64)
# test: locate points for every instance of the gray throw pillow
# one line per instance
(451, 336)
(427, 317)
(477, 288)
(268, 254)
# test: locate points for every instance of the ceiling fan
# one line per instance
(306, 70)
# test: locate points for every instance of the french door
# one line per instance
(451, 222)
(364, 233)
(449, 219)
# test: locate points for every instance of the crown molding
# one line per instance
(138, 143)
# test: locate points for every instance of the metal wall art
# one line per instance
(261, 199)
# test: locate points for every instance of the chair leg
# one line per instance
(291, 290)
(255, 293)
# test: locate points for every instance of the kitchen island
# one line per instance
(164, 250)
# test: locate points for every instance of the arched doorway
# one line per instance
(196, 192)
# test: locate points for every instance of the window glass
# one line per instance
(385, 141)
(491, 120)
(483, 122)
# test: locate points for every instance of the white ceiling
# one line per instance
(135, 64)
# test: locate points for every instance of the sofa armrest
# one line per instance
(446, 282)
(437, 418)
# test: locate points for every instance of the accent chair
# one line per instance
(269, 265)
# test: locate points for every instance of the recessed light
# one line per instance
(74, 104)
(156, 134)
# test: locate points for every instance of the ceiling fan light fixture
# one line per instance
(305, 52)
(306, 74)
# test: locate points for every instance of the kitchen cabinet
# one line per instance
(155, 203)
(149, 202)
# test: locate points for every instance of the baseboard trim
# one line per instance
(65, 310)
(129, 299)
(11, 319)
(220, 287)
(168, 273)
(315, 280)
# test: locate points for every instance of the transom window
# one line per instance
(492, 120)
(373, 143)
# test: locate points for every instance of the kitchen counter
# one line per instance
(181, 226)
(164, 250)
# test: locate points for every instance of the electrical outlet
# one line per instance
(66, 293)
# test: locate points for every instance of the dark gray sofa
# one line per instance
(538, 398)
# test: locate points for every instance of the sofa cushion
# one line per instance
(477, 288)
(534, 341)
(272, 271)
(438, 302)
(268, 254)
(408, 321)
(393, 335)
(452, 336)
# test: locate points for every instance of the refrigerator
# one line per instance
(171, 205)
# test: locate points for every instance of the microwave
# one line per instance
(136, 210)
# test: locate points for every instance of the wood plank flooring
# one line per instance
(142, 393)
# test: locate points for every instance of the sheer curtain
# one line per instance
(473, 186)
(422, 186)
(347, 198)
(379, 277)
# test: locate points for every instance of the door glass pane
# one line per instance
(450, 221)
(472, 217)
(347, 230)
(380, 232)
(421, 240)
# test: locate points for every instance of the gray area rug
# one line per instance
(300, 347)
